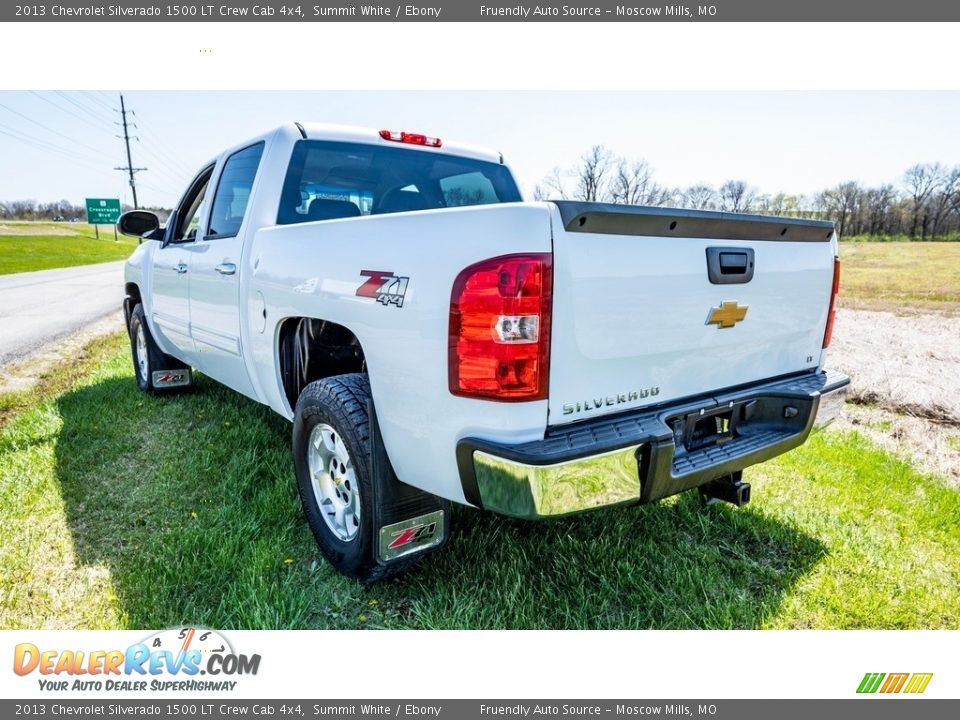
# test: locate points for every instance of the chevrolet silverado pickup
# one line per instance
(434, 338)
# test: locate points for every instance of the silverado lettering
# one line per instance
(610, 400)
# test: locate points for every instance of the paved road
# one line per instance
(37, 308)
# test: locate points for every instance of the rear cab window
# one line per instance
(330, 180)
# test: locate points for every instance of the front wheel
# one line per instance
(155, 370)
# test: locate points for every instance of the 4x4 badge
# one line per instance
(384, 287)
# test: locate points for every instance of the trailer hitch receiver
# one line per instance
(729, 488)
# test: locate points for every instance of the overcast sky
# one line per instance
(64, 145)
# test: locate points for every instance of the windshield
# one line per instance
(328, 180)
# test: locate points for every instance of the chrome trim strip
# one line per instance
(830, 406)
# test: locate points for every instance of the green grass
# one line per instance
(41, 246)
(891, 276)
(123, 510)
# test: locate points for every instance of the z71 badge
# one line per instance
(384, 287)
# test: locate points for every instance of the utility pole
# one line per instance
(130, 169)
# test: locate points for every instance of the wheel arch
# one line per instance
(309, 349)
(131, 298)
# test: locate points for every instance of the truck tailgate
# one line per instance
(640, 318)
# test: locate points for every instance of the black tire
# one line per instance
(156, 359)
(342, 402)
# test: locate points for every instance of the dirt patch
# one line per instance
(905, 384)
(24, 374)
(909, 365)
(931, 447)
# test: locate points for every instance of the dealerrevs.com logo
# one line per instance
(172, 659)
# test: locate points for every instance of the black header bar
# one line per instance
(858, 11)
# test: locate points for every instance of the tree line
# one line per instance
(924, 204)
(57, 211)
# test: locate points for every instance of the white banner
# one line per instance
(327, 664)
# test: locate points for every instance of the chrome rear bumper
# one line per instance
(650, 454)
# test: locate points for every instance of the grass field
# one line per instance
(42, 246)
(952, 237)
(893, 276)
(123, 510)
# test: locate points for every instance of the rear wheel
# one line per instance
(155, 370)
(334, 483)
(348, 502)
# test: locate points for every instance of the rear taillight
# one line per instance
(500, 328)
(410, 138)
(831, 316)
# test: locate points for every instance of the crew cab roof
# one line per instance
(371, 136)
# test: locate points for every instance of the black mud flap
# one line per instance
(410, 523)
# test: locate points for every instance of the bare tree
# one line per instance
(945, 199)
(921, 181)
(633, 184)
(877, 204)
(736, 196)
(780, 204)
(554, 186)
(592, 174)
(699, 197)
(842, 203)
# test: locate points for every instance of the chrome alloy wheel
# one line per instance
(141, 344)
(334, 482)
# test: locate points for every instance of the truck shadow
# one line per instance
(189, 501)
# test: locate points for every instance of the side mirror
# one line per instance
(139, 223)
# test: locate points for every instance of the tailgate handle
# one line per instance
(729, 265)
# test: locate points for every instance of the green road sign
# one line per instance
(103, 211)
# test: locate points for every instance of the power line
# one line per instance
(94, 113)
(108, 97)
(92, 98)
(70, 112)
(171, 171)
(33, 139)
(47, 128)
(68, 158)
(147, 137)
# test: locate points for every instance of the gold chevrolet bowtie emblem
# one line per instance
(727, 315)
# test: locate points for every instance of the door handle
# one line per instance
(730, 265)
(226, 268)
(181, 268)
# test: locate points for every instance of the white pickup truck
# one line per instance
(435, 338)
